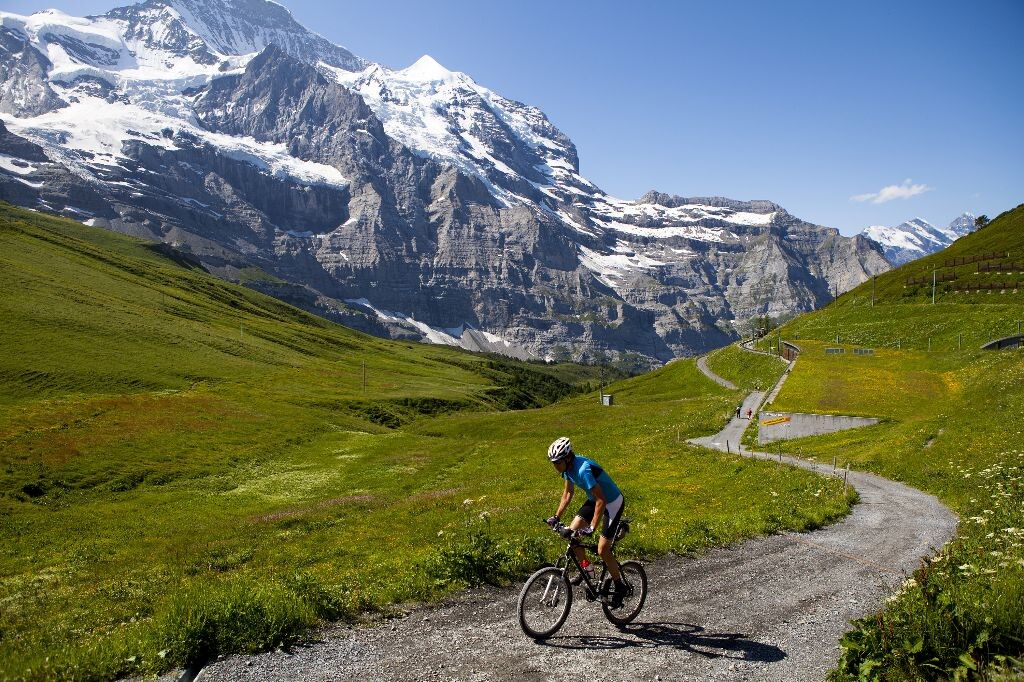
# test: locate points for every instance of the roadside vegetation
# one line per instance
(952, 425)
(749, 371)
(189, 468)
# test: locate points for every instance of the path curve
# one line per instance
(702, 365)
(771, 608)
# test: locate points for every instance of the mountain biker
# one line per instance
(604, 500)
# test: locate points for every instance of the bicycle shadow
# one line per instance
(684, 636)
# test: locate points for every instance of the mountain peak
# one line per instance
(231, 28)
(917, 237)
(426, 68)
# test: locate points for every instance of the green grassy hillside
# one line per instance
(953, 425)
(750, 371)
(190, 468)
(903, 315)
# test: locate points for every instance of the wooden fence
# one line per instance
(1004, 266)
(987, 286)
(965, 260)
(944, 277)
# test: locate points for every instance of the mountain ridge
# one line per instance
(917, 237)
(433, 197)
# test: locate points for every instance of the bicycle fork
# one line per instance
(551, 589)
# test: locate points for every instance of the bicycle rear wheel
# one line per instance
(544, 603)
(635, 577)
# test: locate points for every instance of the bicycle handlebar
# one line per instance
(564, 530)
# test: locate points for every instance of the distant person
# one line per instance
(750, 413)
(605, 502)
(739, 409)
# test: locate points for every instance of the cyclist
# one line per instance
(604, 501)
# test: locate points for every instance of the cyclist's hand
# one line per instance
(586, 531)
(553, 521)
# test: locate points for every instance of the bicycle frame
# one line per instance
(568, 558)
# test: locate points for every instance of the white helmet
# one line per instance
(560, 449)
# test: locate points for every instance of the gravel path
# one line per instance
(767, 609)
(702, 365)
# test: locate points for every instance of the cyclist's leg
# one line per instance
(612, 516)
(581, 520)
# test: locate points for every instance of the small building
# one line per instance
(606, 399)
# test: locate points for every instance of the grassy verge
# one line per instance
(188, 468)
(750, 371)
(952, 425)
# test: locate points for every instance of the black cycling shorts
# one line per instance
(612, 515)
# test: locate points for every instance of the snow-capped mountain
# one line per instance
(411, 202)
(916, 238)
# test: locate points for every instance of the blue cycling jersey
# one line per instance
(586, 473)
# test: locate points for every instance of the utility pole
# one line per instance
(933, 285)
(364, 376)
(874, 278)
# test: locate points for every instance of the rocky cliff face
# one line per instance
(23, 71)
(412, 203)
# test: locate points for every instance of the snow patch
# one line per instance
(612, 269)
(97, 129)
(432, 334)
(13, 164)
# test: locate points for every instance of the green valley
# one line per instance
(189, 468)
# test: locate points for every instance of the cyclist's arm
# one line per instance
(566, 498)
(599, 504)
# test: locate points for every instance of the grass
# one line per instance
(189, 468)
(953, 425)
(750, 371)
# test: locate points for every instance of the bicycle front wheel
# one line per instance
(635, 577)
(544, 603)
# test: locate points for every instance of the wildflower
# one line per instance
(468, 502)
(485, 516)
(654, 510)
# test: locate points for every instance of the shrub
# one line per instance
(243, 615)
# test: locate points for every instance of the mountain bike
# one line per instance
(546, 598)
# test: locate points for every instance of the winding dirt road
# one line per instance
(767, 609)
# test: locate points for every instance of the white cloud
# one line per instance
(888, 193)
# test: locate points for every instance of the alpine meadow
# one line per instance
(433, 341)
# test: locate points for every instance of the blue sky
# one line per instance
(847, 114)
